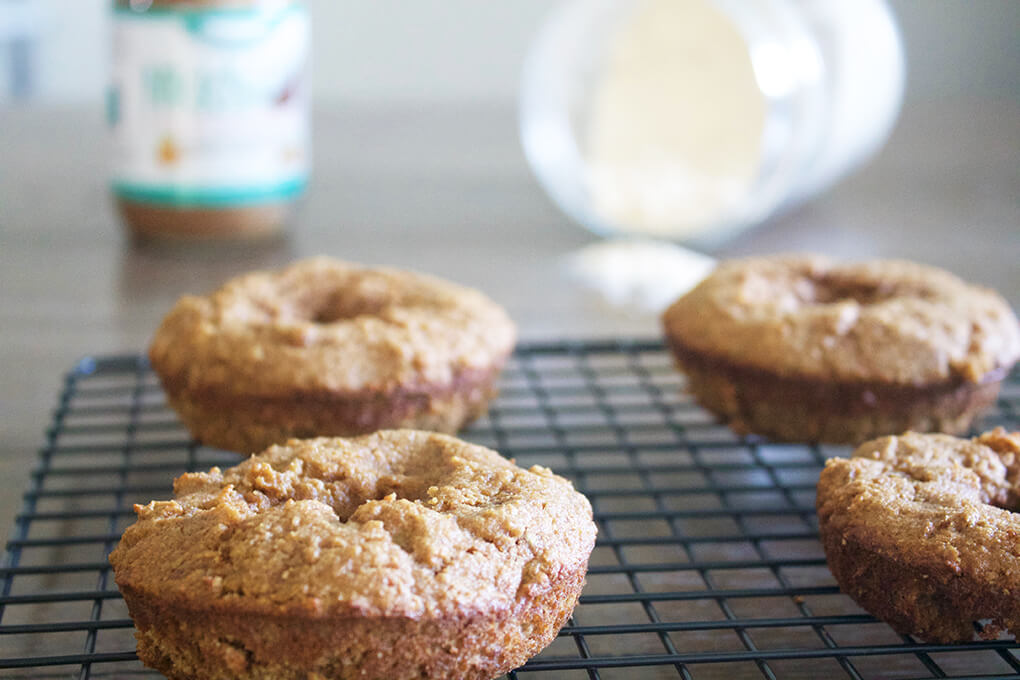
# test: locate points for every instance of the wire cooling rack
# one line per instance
(707, 565)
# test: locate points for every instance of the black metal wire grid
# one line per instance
(707, 565)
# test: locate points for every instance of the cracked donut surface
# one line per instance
(401, 554)
(803, 348)
(923, 531)
(329, 348)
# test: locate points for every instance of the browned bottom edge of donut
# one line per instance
(208, 645)
(931, 603)
(249, 424)
(751, 400)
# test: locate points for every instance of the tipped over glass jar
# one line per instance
(208, 106)
(692, 120)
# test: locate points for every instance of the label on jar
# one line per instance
(209, 107)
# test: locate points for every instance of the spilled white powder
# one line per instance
(639, 273)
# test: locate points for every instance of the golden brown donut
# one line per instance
(923, 531)
(398, 555)
(802, 348)
(324, 347)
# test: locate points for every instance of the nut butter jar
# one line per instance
(208, 107)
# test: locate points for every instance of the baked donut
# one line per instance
(801, 348)
(323, 347)
(923, 531)
(401, 554)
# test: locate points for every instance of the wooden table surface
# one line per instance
(444, 191)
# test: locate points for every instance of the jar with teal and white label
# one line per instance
(208, 106)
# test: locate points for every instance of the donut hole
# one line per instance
(1008, 500)
(834, 288)
(345, 508)
(389, 466)
(1009, 503)
(339, 305)
(346, 496)
(343, 496)
(344, 310)
(829, 290)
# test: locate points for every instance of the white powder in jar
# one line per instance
(675, 133)
(711, 115)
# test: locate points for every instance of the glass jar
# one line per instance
(208, 106)
(694, 119)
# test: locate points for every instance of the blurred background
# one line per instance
(56, 52)
(418, 164)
